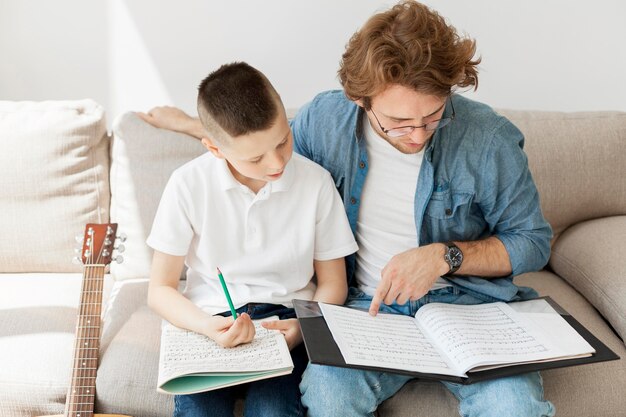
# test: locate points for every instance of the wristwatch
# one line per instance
(453, 257)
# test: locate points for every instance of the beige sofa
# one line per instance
(60, 169)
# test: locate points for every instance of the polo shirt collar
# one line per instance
(226, 178)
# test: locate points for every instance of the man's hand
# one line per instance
(230, 333)
(409, 275)
(289, 327)
(173, 118)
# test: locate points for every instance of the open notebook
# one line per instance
(190, 362)
(449, 342)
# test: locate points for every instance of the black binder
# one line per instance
(322, 349)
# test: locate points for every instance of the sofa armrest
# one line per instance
(590, 256)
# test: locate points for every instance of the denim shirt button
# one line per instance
(352, 200)
(361, 164)
(448, 212)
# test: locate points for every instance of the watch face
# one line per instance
(456, 256)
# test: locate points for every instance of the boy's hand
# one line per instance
(290, 328)
(230, 333)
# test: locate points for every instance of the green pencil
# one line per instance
(230, 302)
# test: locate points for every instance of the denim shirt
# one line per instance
(474, 182)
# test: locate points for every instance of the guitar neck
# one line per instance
(81, 394)
(96, 255)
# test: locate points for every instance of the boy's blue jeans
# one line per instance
(271, 397)
(332, 391)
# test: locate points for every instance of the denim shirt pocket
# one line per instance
(447, 214)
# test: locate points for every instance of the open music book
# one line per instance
(446, 339)
(191, 363)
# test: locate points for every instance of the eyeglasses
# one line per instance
(397, 132)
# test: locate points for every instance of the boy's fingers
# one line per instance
(239, 331)
(275, 325)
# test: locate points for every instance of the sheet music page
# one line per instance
(541, 314)
(484, 334)
(386, 341)
(186, 352)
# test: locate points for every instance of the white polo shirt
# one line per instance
(263, 243)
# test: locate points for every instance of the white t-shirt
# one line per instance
(263, 243)
(386, 222)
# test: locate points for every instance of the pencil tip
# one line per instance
(218, 270)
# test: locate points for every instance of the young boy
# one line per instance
(270, 220)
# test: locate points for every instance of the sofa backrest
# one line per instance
(142, 159)
(55, 159)
(578, 161)
(54, 179)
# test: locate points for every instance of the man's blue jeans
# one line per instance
(333, 391)
(271, 397)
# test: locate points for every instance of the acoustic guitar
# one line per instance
(96, 254)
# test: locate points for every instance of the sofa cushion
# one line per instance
(37, 325)
(577, 162)
(143, 158)
(590, 256)
(586, 390)
(54, 177)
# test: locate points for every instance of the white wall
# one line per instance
(134, 54)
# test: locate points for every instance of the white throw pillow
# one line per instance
(54, 168)
(143, 158)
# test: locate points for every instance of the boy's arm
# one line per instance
(332, 287)
(332, 284)
(164, 298)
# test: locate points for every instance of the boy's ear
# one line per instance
(208, 143)
(359, 103)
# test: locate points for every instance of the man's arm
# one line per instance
(410, 275)
(520, 240)
(173, 118)
(486, 258)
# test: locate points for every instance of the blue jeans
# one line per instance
(271, 397)
(333, 391)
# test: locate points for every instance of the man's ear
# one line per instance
(359, 103)
(211, 147)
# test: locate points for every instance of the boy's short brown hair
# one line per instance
(237, 99)
(410, 45)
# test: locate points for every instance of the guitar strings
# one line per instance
(79, 394)
(91, 295)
